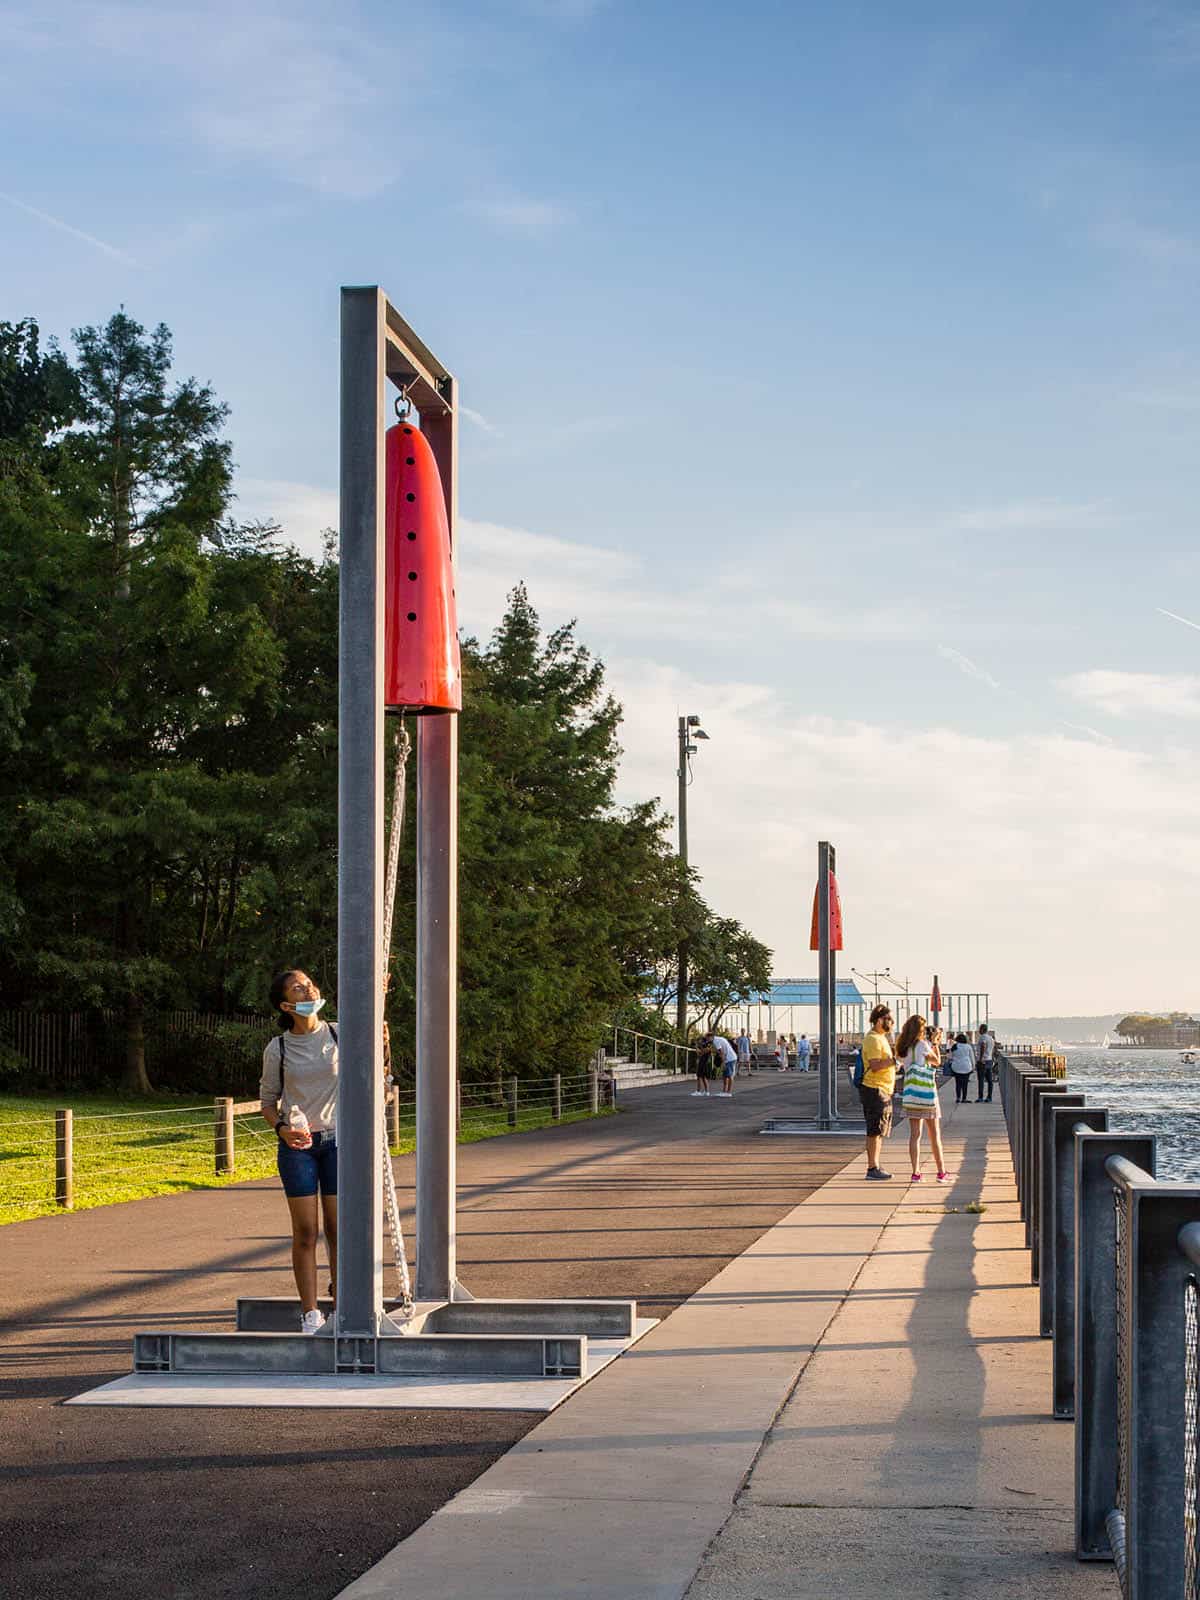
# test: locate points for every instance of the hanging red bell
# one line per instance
(835, 917)
(422, 669)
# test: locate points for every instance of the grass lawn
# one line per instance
(127, 1147)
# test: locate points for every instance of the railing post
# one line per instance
(595, 1091)
(512, 1102)
(1033, 1230)
(558, 1097)
(457, 1107)
(1096, 1333)
(64, 1157)
(1047, 1218)
(1066, 1121)
(223, 1136)
(1029, 1128)
(393, 1116)
(655, 1058)
(1156, 1513)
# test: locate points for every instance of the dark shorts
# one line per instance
(303, 1172)
(877, 1109)
(727, 1069)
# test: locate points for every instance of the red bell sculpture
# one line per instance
(835, 917)
(422, 670)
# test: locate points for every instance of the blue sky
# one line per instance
(837, 366)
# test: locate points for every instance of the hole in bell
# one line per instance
(410, 497)
(412, 616)
(412, 536)
(412, 577)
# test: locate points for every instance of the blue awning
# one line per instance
(806, 992)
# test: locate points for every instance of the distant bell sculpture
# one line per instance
(835, 917)
(422, 669)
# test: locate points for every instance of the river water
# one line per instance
(1146, 1091)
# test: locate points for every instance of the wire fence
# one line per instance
(64, 1160)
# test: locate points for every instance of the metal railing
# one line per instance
(61, 1159)
(648, 1051)
(1115, 1252)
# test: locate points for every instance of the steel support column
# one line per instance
(360, 814)
(827, 983)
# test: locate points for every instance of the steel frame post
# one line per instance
(360, 815)
(827, 990)
(1066, 1122)
(1047, 1232)
(1096, 1333)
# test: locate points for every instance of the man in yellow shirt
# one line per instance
(875, 1091)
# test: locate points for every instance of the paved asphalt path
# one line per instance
(257, 1504)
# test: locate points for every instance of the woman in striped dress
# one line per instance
(919, 1102)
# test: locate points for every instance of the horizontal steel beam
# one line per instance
(479, 1355)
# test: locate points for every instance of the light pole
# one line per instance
(873, 977)
(689, 729)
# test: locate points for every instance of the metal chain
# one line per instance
(403, 747)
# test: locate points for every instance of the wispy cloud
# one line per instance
(1175, 617)
(1148, 243)
(519, 213)
(480, 421)
(1034, 516)
(76, 233)
(966, 665)
(1136, 694)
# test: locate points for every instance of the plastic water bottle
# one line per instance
(298, 1123)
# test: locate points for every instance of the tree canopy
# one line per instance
(168, 719)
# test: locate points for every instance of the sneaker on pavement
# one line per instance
(945, 1177)
(877, 1174)
(916, 1177)
(311, 1321)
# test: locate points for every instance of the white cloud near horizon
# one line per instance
(1035, 865)
(1136, 694)
(520, 213)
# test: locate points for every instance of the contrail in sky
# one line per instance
(1175, 617)
(65, 227)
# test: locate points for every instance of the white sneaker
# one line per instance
(311, 1321)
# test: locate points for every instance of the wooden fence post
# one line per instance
(223, 1135)
(595, 1086)
(393, 1116)
(64, 1157)
(558, 1097)
(512, 1102)
(457, 1107)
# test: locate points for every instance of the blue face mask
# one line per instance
(308, 1008)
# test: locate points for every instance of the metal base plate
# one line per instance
(353, 1392)
(808, 1127)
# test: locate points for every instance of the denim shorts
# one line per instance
(303, 1172)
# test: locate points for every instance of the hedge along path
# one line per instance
(129, 1149)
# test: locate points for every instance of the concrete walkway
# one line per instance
(857, 1405)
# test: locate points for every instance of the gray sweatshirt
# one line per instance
(310, 1073)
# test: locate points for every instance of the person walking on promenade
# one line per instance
(744, 1057)
(985, 1066)
(962, 1065)
(298, 1097)
(781, 1055)
(919, 1058)
(803, 1053)
(875, 1091)
(726, 1057)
